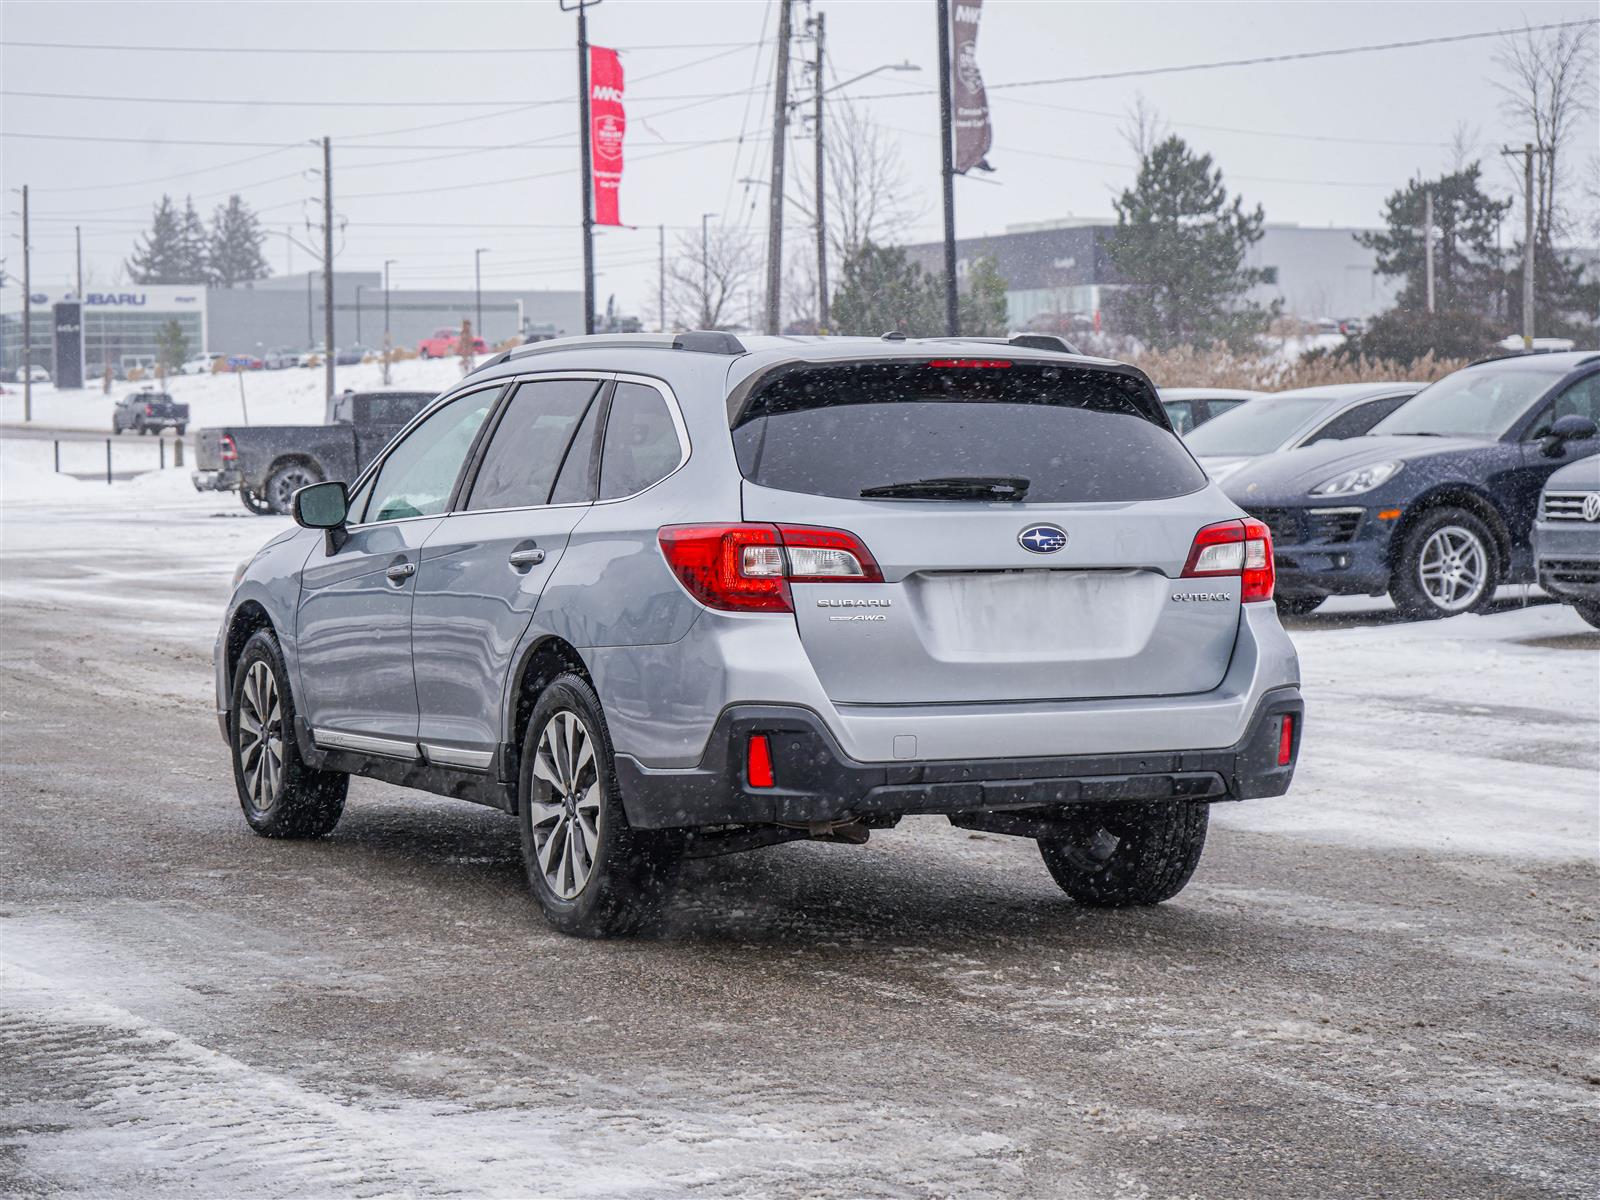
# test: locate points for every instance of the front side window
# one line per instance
(418, 475)
(1581, 399)
(530, 443)
(641, 444)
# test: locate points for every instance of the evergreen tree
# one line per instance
(158, 257)
(1466, 278)
(172, 347)
(881, 291)
(192, 239)
(1179, 248)
(983, 304)
(235, 245)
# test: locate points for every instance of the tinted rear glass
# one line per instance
(1076, 435)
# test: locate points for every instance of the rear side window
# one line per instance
(641, 446)
(530, 443)
(1180, 413)
(1075, 435)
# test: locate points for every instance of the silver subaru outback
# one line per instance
(681, 596)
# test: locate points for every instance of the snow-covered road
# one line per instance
(1382, 984)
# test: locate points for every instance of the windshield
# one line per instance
(1470, 403)
(1259, 427)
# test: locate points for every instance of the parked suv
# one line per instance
(1566, 539)
(678, 597)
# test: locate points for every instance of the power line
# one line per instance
(355, 50)
(101, 187)
(202, 101)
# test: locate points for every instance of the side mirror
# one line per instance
(1573, 427)
(321, 505)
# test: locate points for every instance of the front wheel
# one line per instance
(1448, 565)
(593, 874)
(281, 795)
(1589, 612)
(1127, 855)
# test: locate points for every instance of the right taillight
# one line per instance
(748, 568)
(1242, 548)
(230, 452)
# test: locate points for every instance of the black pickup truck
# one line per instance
(267, 464)
(149, 412)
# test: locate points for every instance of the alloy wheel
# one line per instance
(566, 811)
(1453, 568)
(286, 483)
(261, 737)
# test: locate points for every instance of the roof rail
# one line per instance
(1043, 341)
(699, 341)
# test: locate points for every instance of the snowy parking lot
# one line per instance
(1383, 983)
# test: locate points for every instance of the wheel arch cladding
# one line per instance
(247, 619)
(545, 660)
(1453, 495)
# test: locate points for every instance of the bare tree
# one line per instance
(1549, 90)
(1143, 127)
(1463, 147)
(870, 198)
(708, 290)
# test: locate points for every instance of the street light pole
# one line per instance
(27, 314)
(327, 263)
(477, 290)
(705, 273)
(780, 128)
(388, 339)
(822, 220)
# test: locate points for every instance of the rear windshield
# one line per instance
(1074, 435)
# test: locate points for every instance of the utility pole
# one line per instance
(705, 273)
(359, 288)
(1427, 239)
(1528, 150)
(288, 249)
(388, 338)
(586, 166)
(477, 290)
(952, 310)
(327, 264)
(77, 233)
(27, 313)
(661, 279)
(822, 220)
(311, 336)
(780, 129)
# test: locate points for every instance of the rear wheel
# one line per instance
(1448, 565)
(254, 502)
(284, 482)
(1138, 854)
(281, 795)
(594, 875)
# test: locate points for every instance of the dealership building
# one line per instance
(120, 326)
(1061, 268)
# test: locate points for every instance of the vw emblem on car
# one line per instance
(1043, 539)
(1591, 507)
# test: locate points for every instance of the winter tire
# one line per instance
(594, 875)
(1297, 606)
(1448, 564)
(1127, 855)
(116, 426)
(1589, 612)
(282, 796)
(285, 481)
(180, 429)
(140, 427)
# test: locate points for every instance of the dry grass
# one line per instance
(1186, 366)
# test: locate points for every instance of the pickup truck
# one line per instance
(267, 464)
(149, 412)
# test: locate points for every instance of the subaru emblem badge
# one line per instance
(1042, 539)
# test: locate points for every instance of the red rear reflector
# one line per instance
(758, 762)
(976, 364)
(1286, 740)
(1242, 548)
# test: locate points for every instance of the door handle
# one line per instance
(523, 559)
(401, 572)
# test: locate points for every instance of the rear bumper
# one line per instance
(818, 782)
(215, 481)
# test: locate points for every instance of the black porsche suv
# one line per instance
(1436, 505)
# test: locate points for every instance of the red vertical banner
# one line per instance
(607, 124)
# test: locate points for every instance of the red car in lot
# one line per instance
(447, 342)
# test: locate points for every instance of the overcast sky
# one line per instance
(1317, 143)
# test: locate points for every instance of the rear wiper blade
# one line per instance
(954, 487)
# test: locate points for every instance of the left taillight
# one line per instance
(748, 567)
(1242, 548)
(229, 451)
